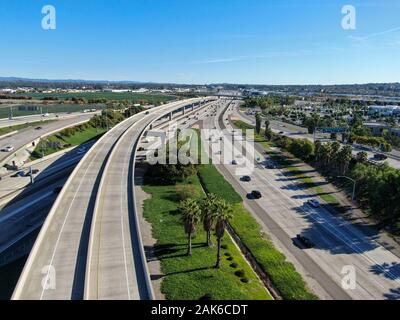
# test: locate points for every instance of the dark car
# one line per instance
(380, 156)
(28, 173)
(255, 194)
(38, 128)
(245, 178)
(270, 165)
(19, 174)
(305, 241)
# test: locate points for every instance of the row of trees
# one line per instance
(378, 187)
(332, 156)
(213, 212)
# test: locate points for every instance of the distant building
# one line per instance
(7, 90)
(384, 110)
(377, 128)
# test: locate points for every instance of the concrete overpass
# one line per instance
(90, 245)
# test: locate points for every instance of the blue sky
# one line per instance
(203, 41)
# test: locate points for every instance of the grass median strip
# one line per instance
(192, 278)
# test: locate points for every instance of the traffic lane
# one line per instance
(36, 118)
(316, 277)
(64, 245)
(330, 288)
(114, 270)
(59, 245)
(68, 252)
(337, 245)
(111, 270)
(26, 214)
(356, 244)
(26, 136)
(299, 224)
(12, 187)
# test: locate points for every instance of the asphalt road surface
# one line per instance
(338, 244)
(26, 136)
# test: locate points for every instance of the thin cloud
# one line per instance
(253, 57)
(374, 35)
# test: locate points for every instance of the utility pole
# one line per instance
(11, 113)
(354, 185)
(31, 175)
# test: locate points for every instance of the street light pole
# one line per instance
(354, 185)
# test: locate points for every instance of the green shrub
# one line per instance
(245, 280)
(240, 273)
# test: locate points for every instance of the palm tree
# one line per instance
(224, 214)
(362, 157)
(258, 123)
(317, 148)
(345, 158)
(191, 214)
(267, 123)
(335, 147)
(208, 215)
(326, 151)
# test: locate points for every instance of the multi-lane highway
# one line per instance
(25, 137)
(338, 243)
(39, 117)
(69, 238)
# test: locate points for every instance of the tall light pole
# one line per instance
(354, 185)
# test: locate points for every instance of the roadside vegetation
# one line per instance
(189, 226)
(80, 134)
(192, 275)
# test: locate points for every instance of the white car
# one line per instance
(314, 203)
(7, 149)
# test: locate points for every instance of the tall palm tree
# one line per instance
(209, 214)
(191, 215)
(326, 152)
(345, 155)
(335, 147)
(267, 123)
(317, 148)
(224, 214)
(258, 122)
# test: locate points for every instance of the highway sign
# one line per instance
(331, 130)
